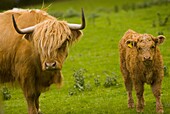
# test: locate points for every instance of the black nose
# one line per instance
(50, 65)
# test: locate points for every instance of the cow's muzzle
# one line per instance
(51, 65)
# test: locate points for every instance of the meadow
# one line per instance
(93, 83)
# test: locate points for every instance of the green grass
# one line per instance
(97, 52)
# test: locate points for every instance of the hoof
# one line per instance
(131, 105)
(139, 110)
(160, 111)
(39, 112)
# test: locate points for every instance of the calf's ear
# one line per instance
(159, 39)
(130, 43)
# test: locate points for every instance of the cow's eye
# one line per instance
(63, 46)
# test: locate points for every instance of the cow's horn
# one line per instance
(22, 31)
(78, 26)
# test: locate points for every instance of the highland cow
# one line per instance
(140, 63)
(33, 47)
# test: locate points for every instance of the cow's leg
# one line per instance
(30, 96)
(31, 104)
(156, 89)
(139, 87)
(37, 103)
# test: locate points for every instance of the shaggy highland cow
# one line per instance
(140, 63)
(34, 55)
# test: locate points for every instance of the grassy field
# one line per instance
(96, 58)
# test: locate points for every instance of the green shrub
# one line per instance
(166, 71)
(79, 79)
(5, 93)
(110, 81)
(97, 82)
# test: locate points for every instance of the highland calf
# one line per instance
(34, 55)
(140, 63)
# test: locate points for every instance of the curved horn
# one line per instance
(78, 26)
(22, 31)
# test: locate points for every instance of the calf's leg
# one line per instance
(127, 80)
(129, 87)
(139, 87)
(156, 89)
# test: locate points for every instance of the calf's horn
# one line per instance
(22, 31)
(78, 26)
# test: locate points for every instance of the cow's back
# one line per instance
(24, 18)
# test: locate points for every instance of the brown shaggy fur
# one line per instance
(141, 62)
(23, 57)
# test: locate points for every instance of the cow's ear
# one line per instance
(159, 39)
(28, 37)
(76, 35)
(130, 43)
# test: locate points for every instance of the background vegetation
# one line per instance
(7, 4)
(92, 80)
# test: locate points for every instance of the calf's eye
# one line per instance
(152, 47)
(139, 48)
